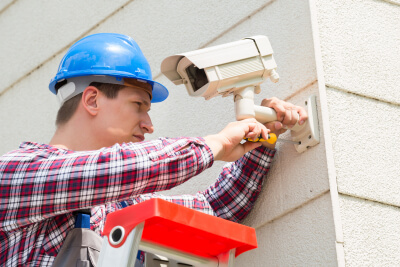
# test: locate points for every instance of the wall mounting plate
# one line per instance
(308, 135)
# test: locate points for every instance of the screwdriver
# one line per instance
(271, 139)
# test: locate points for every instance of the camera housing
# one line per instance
(238, 68)
(223, 69)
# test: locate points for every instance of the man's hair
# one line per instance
(69, 107)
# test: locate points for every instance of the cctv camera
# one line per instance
(238, 68)
(223, 69)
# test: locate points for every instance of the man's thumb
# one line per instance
(274, 126)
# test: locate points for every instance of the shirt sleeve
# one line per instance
(239, 184)
(39, 183)
(232, 195)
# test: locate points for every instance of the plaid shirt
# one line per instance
(41, 185)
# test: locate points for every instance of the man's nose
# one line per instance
(147, 125)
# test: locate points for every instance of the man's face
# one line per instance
(124, 118)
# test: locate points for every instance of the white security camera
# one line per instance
(238, 68)
(223, 69)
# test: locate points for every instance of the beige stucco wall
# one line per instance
(332, 49)
(360, 54)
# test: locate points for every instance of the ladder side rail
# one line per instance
(125, 255)
(227, 259)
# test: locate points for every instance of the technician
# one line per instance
(98, 159)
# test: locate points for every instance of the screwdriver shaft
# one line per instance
(288, 141)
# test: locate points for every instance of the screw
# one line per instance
(306, 102)
(309, 137)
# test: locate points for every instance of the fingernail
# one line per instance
(301, 122)
(278, 125)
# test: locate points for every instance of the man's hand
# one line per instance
(287, 116)
(226, 145)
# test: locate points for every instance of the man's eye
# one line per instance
(141, 106)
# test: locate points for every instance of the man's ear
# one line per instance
(90, 98)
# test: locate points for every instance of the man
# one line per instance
(97, 158)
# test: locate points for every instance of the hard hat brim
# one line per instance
(160, 92)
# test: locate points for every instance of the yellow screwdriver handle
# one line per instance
(271, 139)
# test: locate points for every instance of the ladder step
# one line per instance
(179, 228)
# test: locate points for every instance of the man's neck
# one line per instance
(74, 136)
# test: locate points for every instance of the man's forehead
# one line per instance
(138, 92)
(139, 85)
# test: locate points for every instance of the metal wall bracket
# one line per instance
(308, 135)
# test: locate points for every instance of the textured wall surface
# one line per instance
(4, 4)
(33, 31)
(360, 43)
(293, 215)
(371, 232)
(364, 144)
(294, 179)
(304, 237)
(360, 46)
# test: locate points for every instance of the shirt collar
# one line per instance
(34, 145)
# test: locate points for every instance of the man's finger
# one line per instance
(248, 146)
(279, 109)
(256, 130)
(295, 117)
(288, 117)
(302, 115)
(252, 131)
(274, 126)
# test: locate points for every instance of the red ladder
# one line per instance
(173, 231)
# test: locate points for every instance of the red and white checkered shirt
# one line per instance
(41, 185)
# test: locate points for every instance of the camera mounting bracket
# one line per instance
(305, 135)
(308, 135)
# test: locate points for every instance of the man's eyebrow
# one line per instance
(145, 102)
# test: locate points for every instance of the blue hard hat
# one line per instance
(109, 54)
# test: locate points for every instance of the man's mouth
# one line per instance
(139, 137)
